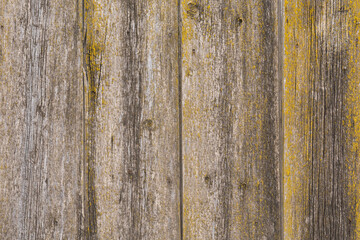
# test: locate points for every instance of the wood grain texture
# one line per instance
(158, 119)
(132, 131)
(322, 97)
(89, 115)
(230, 86)
(41, 120)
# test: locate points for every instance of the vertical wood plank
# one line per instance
(231, 153)
(322, 97)
(132, 132)
(40, 120)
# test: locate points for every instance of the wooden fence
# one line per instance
(179, 119)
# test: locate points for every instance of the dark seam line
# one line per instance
(180, 115)
(84, 34)
(281, 109)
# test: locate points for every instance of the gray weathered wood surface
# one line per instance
(230, 120)
(132, 134)
(41, 120)
(322, 113)
(187, 119)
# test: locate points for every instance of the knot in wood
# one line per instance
(192, 9)
(149, 124)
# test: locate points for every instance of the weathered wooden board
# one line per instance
(164, 120)
(322, 113)
(40, 119)
(231, 127)
(89, 120)
(132, 123)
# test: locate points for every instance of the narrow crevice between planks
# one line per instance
(180, 119)
(281, 109)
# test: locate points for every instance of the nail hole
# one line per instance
(168, 181)
(112, 142)
(242, 188)
(130, 174)
(239, 21)
(207, 180)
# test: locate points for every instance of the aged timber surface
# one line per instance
(132, 135)
(40, 120)
(230, 122)
(322, 113)
(179, 119)
(89, 120)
